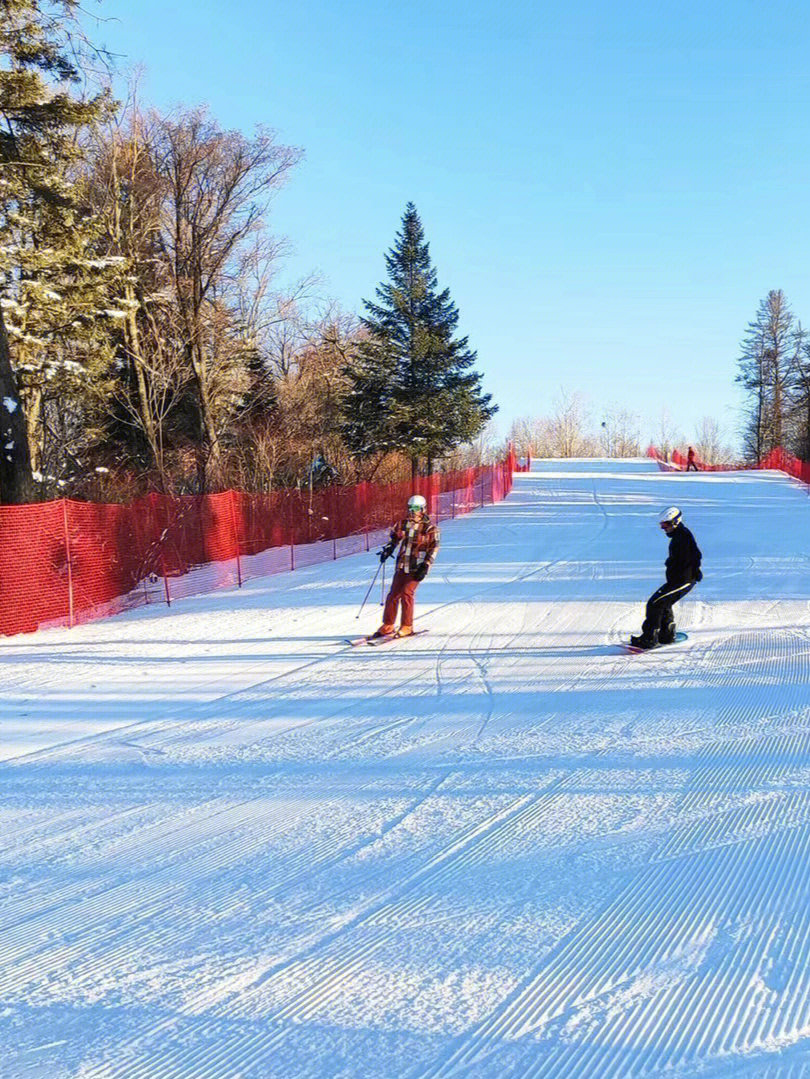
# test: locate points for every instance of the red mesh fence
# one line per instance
(778, 459)
(67, 562)
(678, 461)
(786, 462)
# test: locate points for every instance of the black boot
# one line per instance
(643, 642)
(667, 634)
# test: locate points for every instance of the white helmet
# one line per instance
(670, 517)
(417, 504)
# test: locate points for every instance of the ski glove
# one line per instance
(385, 554)
(420, 572)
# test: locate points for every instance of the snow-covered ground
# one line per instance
(231, 845)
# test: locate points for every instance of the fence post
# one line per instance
(162, 541)
(235, 538)
(69, 560)
(334, 517)
(165, 578)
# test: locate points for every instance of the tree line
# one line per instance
(145, 340)
(573, 428)
(773, 372)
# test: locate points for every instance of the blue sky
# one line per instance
(609, 189)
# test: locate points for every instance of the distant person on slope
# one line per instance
(691, 465)
(418, 540)
(682, 572)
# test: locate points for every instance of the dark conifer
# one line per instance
(55, 293)
(765, 364)
(413, 389)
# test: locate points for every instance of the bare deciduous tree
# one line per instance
(163, 375)
(666, 437)
(568, 427)
(525, 435)
(708, 441)
(296, 431)
(219, 184)
(128, 194)
(620, 436)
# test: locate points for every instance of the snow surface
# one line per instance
(231, 845)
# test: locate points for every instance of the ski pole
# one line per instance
(373, 581)
(382, 586)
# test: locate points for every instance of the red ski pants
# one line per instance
(402, 591)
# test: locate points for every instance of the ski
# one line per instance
(635, 650)
(373, 642)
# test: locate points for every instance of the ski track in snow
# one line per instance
(233, 846)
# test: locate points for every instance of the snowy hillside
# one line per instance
(230, 845)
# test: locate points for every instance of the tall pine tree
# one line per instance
(55, 293)
(411, 387)
(765, 363)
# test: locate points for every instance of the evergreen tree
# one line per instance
(412, 388)
(766, 367)
(801, 392)
(55, 292)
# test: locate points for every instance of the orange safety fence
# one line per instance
(66, 562)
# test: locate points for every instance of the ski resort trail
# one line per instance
(232, 845)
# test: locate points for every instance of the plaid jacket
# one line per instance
(418, 543)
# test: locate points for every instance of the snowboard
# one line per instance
(374, 642)
(679, 639)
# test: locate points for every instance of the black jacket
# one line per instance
(683, 563)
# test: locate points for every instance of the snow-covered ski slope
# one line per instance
(231, 845)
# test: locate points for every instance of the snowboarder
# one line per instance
(418, 540)
(682, 574)
(691, 464)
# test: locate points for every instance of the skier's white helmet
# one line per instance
(670, 518)
(417, 504)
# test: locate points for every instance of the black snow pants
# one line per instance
(659, 624)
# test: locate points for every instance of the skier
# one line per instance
(418, 540)
(682, 573)
(691, 464)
